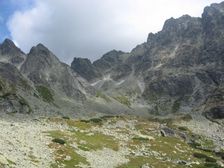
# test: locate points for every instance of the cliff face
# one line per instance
(84, 67)
(179, 69)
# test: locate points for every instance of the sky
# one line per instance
(89, 28)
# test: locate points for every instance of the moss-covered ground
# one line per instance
(140, 138)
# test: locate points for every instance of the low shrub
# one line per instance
(93, 120)
(66, 117)
(140, 139)
(59, 141)
(204, 156)
(183, 128)
(45, 94)
(212, 165)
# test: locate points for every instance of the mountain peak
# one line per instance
(217, 5)
(41, 46)
(214, 10)
(8, 46)
(39, 49)
(8, 42)
(10, 53)
(180, 23)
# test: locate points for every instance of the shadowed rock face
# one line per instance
(108, 60)
(215, 113)
(9, 53)
(42, 84)
(85, 68)
(11, 81)
(42, 67)
(181, 66)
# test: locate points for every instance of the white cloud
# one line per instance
(89, 28)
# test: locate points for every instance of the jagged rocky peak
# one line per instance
(10, 53)
(99, 68)
(8, 47)
(212, 18)
(112, 56)
(42, 51)
(214, 8)
(39, 57)
(108, 60)
(39, 63)
(80, 62)
(85, 68)
(177, 30)
(42, 67)
(179, 23)
(8, 43)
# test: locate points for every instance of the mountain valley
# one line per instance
(159, 106)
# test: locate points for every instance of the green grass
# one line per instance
(96, 141)
(123, 100)
(183, 128)
(45, 93)
(93, 121)
(137, 162)
(33, 158)
(64, 151)
(204, 156)
(79, 124)
(211, 165)
(202, 143)
(140, 139)
(176, 106)
(170, 150)
(61, 152)
(103, 96)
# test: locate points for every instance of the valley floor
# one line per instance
(112, 142)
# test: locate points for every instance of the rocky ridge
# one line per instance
(42, 85)
(178, 70)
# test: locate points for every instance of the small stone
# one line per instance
(167, 132)
(145, 166)
(182, 162)
(68, 158)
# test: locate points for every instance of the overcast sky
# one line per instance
(88, 28)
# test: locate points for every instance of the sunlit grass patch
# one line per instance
(96, 141)
(137, 162)
(66, 156)
(172, 147)
(79, 124)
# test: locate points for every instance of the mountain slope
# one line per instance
(43, 68)
(179, 69)
(42, 85)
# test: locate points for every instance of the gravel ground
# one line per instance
(23, 143)
(106, 157)
(202, 126)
